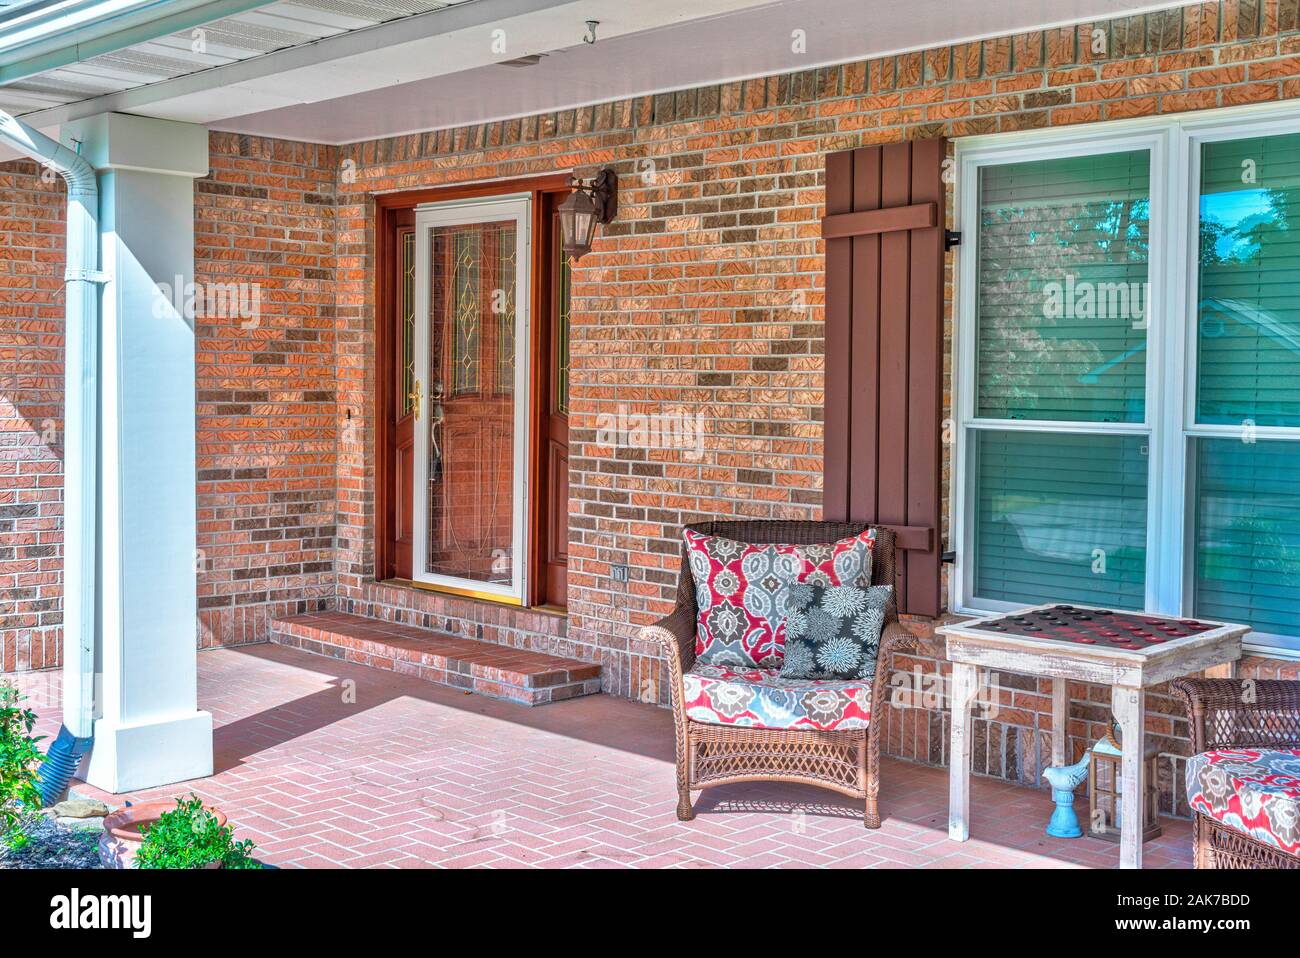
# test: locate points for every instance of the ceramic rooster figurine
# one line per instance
(1064, 779)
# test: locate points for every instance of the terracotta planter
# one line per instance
(122, 837)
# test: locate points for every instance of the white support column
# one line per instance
(149, 730)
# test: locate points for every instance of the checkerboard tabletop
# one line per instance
(1084, 625)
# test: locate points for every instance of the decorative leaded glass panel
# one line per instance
(467, 248)
(503, 307)
(563, 284)
(407, 311)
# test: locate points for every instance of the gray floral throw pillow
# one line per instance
(833, 632)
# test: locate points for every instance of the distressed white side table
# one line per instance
(973, 645)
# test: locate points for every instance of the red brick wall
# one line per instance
(31, 416)
(266, 386)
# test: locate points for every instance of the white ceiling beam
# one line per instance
(24, 54)
(461, 16)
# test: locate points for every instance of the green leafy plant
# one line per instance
(18, 760)
(190, 836)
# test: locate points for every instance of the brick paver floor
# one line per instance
(327, 764)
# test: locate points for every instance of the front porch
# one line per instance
(325, 763)
(405, 421)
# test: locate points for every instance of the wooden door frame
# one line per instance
(387, 208)
(400, 222)
(542, 378)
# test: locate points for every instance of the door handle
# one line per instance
(435, 447)
(414, 397)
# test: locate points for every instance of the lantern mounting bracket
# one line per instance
(603, 190)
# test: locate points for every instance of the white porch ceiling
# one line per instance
(332, 71)
(747, 43)
(292, 52)
(215, 43)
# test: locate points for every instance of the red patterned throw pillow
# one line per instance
(742, 591)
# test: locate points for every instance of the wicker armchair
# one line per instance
(1220, 719)
(847, 761)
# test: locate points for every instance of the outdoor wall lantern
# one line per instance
(589, 203)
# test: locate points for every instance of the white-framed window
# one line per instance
(1127, 375)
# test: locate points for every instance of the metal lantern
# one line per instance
(1105, 781)
(588, 204)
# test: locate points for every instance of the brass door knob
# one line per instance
(414, 398)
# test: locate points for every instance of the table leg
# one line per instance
(1060, 721)
(1129, 707)
(963, 695)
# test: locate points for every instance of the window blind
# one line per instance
(1245, 499)
(1062, 263)
(1248, 329)
(1247, 519)
(1060, 517)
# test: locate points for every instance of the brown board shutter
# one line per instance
(884, 231)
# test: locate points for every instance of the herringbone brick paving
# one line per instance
(328, 764)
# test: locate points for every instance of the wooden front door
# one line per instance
(472, 466)
(471, 433)
(471, 401)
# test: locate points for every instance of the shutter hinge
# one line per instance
(71, 275)
(949, 557)
(950, 239)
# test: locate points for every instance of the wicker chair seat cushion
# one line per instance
(742, 591)
(762, 698)
(1252, 791)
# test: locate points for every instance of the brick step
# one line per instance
(497, 671)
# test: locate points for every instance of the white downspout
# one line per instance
(80, 447)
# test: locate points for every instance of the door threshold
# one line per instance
(476, 594)
(548, 608)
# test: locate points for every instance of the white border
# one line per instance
(517, 207)
(1171, 344)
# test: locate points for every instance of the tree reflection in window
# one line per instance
(1248, 330)
(1062, 262)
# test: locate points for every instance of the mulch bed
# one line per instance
(54, 844)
